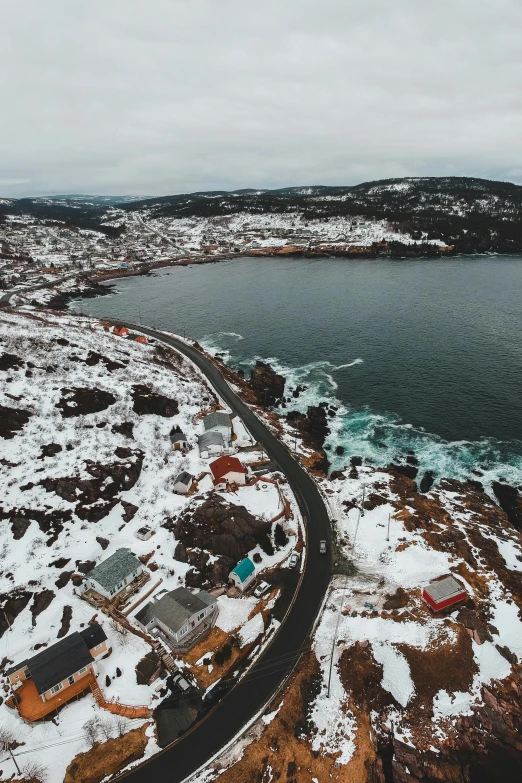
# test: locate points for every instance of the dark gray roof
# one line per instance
(175, 608)
(60, 660)
(15, 668)
(56, 663)
(218, 419)
(93, 635)
(112, 571)
(210, 439)
(184, 478)
(177, 436)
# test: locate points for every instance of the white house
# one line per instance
(228, 470)
(211, 444)
(219, 422)
(243, 574)
(179, 441)
(114, 574)
(179, 615)
(183, 482)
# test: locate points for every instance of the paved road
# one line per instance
(244, 701)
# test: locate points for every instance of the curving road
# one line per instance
(244, 701)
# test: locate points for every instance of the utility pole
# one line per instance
(14, 760)
(7, 621)
(388, 536)
(362, 506)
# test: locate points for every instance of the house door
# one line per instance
(70, 680)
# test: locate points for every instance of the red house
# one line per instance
(123, 332)
(228, 470)
(443, 593)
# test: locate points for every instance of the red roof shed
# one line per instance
(141, 339)
(443, 593)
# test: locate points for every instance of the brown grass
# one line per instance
(448, 666)
(108, 758)
(290, 757)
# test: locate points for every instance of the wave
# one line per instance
(379, 438)
(351, 364)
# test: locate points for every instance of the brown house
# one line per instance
(44, 683)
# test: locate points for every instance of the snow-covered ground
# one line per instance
(53, 355)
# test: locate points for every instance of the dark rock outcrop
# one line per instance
(40, 602)
(50, 450)
(126, 428)
(96, 497)
(63, 579)
(80, 401)
(9, 361)
(11, 605)
(149, 402)
(12, 420)
(66, 621)
(267, 385)
(427, 481)
(510, 501)
(314, 429)
(219, 528)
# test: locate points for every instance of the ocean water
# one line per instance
(422, 355)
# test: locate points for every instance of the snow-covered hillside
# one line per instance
(85, 418)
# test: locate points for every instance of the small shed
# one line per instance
(141, 339)
(243, 574)
(442, 593)
(179, 441)
(183, 482)
(122, 332)
(144, 533)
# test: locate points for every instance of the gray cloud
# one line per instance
(165, 96)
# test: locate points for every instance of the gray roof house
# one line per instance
(183, 482)
(211, 444)
(180, 617)
(111, 576)
(178, 440)
(219, 422)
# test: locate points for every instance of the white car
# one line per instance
(261, 589)
(179, 680)
(294, 560)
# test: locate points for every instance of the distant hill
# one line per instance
(474, 215)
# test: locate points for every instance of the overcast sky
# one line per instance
(167, 96)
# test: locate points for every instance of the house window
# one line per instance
(183, 631)
(201, 616)
(83, 670)
(56, 688)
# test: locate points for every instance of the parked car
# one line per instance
(294, 559)
(217, 691)
(261, 589)
(322, 547)
(179, 680)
